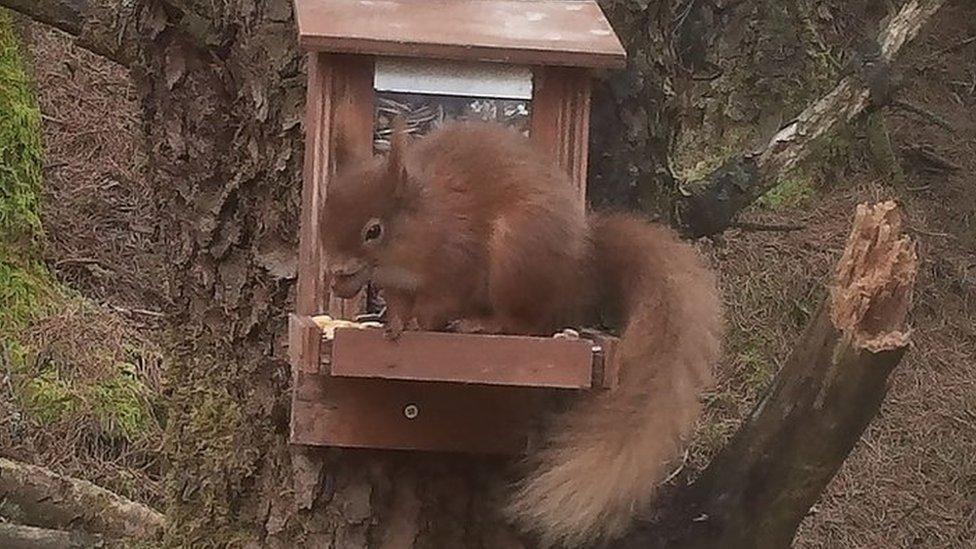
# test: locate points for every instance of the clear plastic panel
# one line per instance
(424, 112)
(428, 93)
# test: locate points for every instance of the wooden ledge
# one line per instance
(467, 358)
(432, 391)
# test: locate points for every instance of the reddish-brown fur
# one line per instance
(477, 226)
(468, 217)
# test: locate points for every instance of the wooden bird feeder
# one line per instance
(523, 63)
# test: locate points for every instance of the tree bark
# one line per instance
(224, 130)
(635, 113)
(45, 498)
(762, 484)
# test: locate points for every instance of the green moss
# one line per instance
(757, 366)
(23, 280)
(72, 364)
(803, 308)
(749, 351)
(25, 288)
(713, 435)
(795, 190)
(696, 157)
(212, 457)
(53, 389)
(881, 152)
(778, 70)
(20, 140)
(833, 149)
(47, 398)
(119, 404)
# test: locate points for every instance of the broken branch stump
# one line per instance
(761, 485)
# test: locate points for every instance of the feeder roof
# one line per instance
(540, 32)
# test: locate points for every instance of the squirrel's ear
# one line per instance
(353, 137)
(399, 142)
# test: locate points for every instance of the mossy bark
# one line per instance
(883, 155)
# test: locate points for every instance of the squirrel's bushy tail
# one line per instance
(606, 455)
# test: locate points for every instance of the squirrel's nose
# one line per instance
(345, 268)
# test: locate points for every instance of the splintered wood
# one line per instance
(875, 278)
(828, 391)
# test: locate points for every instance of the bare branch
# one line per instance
(55, 501)
(102, 26)
(708, 206)
(63, 14)
(16, 536)
(762, 484)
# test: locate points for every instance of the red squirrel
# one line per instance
(473, 225)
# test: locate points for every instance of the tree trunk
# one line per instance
(759, 488)
(636, 112)
(223, 93)
(15, 536)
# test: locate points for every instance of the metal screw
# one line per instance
(411, 411)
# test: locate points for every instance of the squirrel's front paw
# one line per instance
(474, 326)
(395, 328)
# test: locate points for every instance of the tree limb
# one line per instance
(47, 499)
(762, 484)
(16, 536)
(708, 206)
(102, 26)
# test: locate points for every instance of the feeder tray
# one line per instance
(525, 64)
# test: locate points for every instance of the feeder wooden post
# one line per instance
(332, 79)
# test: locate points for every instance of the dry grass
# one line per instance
(81, 384)
(99, 215)
(85, 393)
(912, 481)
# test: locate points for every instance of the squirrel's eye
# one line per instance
(373, 231)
